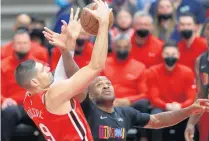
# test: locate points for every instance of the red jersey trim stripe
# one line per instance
(83, 137)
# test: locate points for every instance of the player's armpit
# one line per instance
(66, 89)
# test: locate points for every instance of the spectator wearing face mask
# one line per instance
(22, 52)
(123, 24)
(82, 54)
(186, 6)
(165, 20)
(120, 69)
(23, 21)
(171, 85)
(13, 95)
(190, 45)
(145, 47)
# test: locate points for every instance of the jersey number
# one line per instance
(46, 132)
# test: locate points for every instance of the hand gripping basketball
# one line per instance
(95, 14)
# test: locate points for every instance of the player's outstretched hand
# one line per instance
(101, 13)
(200, 106)
(57, 39)
(74, 26)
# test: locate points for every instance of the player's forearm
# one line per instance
(99, 53)
(170, 118)
(194, 119)
(69, 64)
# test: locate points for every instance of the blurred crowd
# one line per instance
(143, 73)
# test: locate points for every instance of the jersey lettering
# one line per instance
(46, 132)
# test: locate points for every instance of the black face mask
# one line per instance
(170, 61)
(164, 17)
(142, 32)
(21, 55)
(80, 42)
(122, 55)
(78, 52)
(187, 34)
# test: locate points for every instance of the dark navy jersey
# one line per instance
(112, 126)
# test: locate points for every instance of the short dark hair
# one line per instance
(25, 72)
(170, 44)
(188, 14)
(21, 30)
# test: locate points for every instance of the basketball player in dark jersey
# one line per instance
(202, 80)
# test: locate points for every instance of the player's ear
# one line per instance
(34, 82)
(91, 96)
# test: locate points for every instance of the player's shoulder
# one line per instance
(124, 110)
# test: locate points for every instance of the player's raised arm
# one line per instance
(66, 42)
(63, 91)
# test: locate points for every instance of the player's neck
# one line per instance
(35, 91)
(106, 109)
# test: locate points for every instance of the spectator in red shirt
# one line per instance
(120, 69)
(145, 47)
(83, 51)
(24, 21)
(22, 51)
(191, 46)
(13, 95)
(171, 85)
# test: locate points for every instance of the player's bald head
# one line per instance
(22, 20)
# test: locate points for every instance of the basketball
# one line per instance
(91, 24)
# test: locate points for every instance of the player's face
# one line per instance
(103, 90)
(124, 20)
(44, 77)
